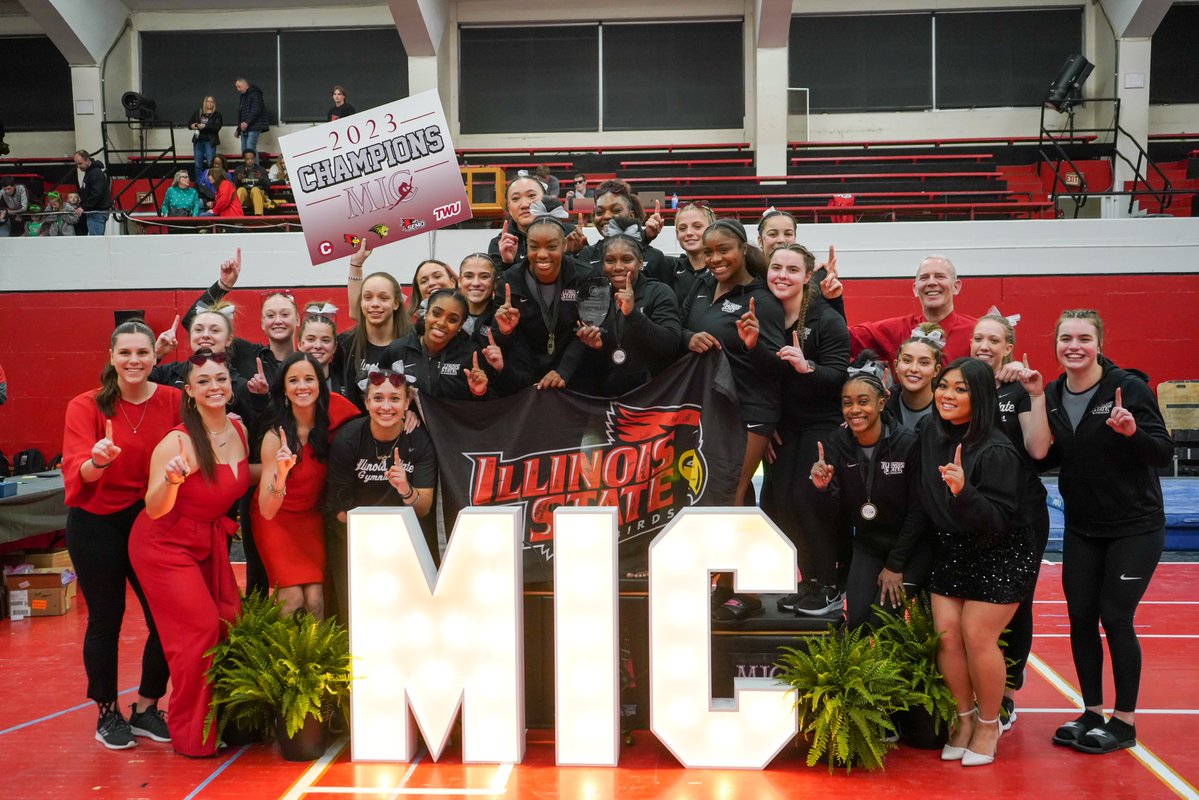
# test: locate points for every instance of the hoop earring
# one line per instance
(190, 401)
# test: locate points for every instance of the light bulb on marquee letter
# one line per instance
(749, 730)
(586, 637)
(388, 550)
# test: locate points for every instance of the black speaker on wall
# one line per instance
(1066, 90)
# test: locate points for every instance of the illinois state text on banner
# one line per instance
(381, 175)
(673, 443)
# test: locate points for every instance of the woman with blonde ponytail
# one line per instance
(108, 436)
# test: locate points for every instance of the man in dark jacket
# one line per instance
(251, 114)
(95, 192)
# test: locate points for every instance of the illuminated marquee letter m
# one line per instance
(432, 642)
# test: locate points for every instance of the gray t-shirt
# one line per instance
(1075, 405)
(911, 418)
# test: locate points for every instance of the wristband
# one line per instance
(221, 285)
(100, 466)
(270, 487)
(409, 496)
(354, 277)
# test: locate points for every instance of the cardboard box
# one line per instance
(40, 594)
(57, 558)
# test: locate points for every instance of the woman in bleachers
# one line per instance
(204, 183)
(1109, 440)
(182, 199)
(816, 357)
(917, 365)
(614, 200)
(289, 528)
(732, 309)
(642, 333)
(206, 122)
(376, 302)
(689, 225)
(225, 202)
(1022, 419)
(107, 440)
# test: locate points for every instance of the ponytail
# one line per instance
(110, 387)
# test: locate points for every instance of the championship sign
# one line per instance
(381, 175)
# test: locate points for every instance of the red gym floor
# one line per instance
(47, 749)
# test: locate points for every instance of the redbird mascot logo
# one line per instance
(649, 464)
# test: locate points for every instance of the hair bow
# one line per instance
(539, 210)
(225, 311)
(872, 369)
(613, 228)
(1012, 320)
(936, 337)
(321, 310)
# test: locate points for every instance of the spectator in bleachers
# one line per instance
(80, 218)
(278, 172)
(182, 199)
(340, 107)
(580, 188)
(206, 122)
(252, 183)
(204, 182)
(553, 187)
(14, 201)
(225, 202)
(60, 217)
(3, 386)
(935, 287)
(95, 192)
(252, 119)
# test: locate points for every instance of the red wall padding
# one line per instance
(53, 344)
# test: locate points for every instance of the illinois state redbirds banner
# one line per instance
(673, 443)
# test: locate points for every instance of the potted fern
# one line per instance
(914, 639)
(847, 686)
(287, 674)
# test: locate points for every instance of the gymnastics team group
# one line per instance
(899, 455)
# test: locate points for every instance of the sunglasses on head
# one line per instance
(199, 358)
(377, 378)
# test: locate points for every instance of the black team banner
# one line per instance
(673, 443)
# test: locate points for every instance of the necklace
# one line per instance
(382, 458)
(221, 432)
(125, 414)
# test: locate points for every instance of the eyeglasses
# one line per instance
(394, 378)
(200, 357)
(580, 180)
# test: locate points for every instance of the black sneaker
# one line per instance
(151, 723)
(1007, 713)
(819, 601)
(113, 732)
(788, 601)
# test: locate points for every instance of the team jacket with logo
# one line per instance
(441, 375)
(895, 492)
(755, 372)
(651, 338)
(1108, 481)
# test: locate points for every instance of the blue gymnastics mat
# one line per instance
(1182, 514)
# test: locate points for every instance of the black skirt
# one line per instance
(995, 568)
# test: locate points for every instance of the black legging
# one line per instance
(1104, 579)
(1019, 635)
(99, 547)
(861, 585)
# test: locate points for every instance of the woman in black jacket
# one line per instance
(811, 368)
(440, 358)
(206, 122)
(971, 486)
(868, 473)
(1109, 438)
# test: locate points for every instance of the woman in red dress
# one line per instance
(288, 525)
(179, 544)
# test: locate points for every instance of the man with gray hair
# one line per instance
(936, 285)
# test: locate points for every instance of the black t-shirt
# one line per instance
(358, 465)
(351, 373)
(337, 112)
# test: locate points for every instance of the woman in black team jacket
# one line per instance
(642, 334)
(812, 373)
(971, 486)
(731, 309)
(868, 473)
(1108, 439)
(540, 310)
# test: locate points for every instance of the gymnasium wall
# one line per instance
(57, 295)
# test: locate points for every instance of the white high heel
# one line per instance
(951, 753)
(973, 759)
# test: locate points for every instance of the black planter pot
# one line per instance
(916, 730)
(236, 735)
(308, 744)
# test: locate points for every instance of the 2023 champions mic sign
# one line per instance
(381, 175)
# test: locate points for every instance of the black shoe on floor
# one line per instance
(113, 732)
(1075, 729)
(1113, 735)
(151, 723)
(1007, 713)
(819, 601)
(788, 602)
